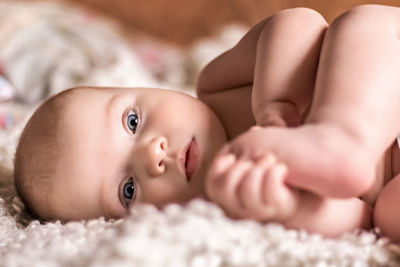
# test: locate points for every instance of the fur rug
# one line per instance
(198, 234)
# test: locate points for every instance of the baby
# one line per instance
(325, 102)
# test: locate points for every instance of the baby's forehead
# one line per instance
(92, 94)
(84, 98)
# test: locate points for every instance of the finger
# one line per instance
(249, 193)
(273, 182)
(224, 149)
(220, 165)
(286, 192)
(266, 160)
(258, 155)
(228, 182)
(280, 199)
(216, 172)
(224, 187)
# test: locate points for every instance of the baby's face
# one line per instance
(119, 147)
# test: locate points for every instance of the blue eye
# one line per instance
(128, 191)
(132, 121)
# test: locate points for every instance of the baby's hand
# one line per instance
(252, 189)
(252, 144)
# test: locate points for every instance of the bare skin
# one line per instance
(344, 141)
(122, 146)
(325, 86)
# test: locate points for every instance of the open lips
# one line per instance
(189, 158)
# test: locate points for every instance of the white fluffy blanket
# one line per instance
(198, 234)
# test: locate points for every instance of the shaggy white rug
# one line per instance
(195, 235)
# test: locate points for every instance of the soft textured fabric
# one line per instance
(196, 235)
(47, 47)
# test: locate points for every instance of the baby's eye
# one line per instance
(132, 121)
(128, 191)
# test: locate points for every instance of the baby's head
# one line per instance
(91, 152)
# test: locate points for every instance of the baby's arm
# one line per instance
(255, 189)
(283, 70)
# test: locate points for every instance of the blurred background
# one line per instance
(181, 22)
(47, 46)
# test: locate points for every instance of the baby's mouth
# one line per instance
(191, 158)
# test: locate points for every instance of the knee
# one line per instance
(363, 18)
(300, 17)
(386, 213)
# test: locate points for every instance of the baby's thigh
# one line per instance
(387, 209)
(363, 20)
(370, 13)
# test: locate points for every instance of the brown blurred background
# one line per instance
(182, 21)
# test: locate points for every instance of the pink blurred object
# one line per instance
(6, 121)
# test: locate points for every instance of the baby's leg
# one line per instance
(274, 38)
(330, 217)
(357, 89)
(355, 113)
(286, 65)
(358, 80)
(387, 211)
(283, 72)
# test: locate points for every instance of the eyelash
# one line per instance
(136, 117)
(126, 201)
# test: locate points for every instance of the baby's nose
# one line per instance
(155, 154)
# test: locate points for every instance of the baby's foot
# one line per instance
(320, 159)
(251, 188)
